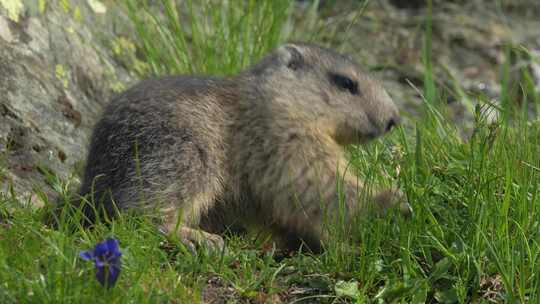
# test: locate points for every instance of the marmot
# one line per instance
(265, 146)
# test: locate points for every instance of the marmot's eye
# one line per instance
(345, 83)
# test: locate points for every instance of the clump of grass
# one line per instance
(207, 37)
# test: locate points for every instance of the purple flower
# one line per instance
(106, 256)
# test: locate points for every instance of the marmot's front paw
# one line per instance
(194, 239)
(393, 198)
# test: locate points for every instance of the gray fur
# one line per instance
(264, 146)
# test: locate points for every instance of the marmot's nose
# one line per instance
(394, 121)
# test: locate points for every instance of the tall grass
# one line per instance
(207, 37)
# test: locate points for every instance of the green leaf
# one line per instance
(347, 289)
(441, 268)
(419, 292)
(447, 296)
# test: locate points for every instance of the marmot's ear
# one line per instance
(291, 56)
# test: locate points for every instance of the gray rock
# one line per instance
(57, 70)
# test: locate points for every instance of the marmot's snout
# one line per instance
(391, 117)
(392, 122)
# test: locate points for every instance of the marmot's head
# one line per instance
(326, 90)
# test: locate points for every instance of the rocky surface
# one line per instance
(470, 42)
(61, 61)
(57, 70)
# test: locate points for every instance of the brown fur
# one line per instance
(265, 146)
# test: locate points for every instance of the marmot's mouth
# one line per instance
(370, 135)
(355, 136)
(364, 137)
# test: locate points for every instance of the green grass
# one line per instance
(207, 37)
(474, 235)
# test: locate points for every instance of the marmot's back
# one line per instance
(155, 131)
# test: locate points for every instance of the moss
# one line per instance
(77, 15)
(117, 86)
(97, 6)
(42, 5)
(61, 75)
(124, 51)
(13, 8)
(65, 5)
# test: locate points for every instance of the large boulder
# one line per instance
(60, 62)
